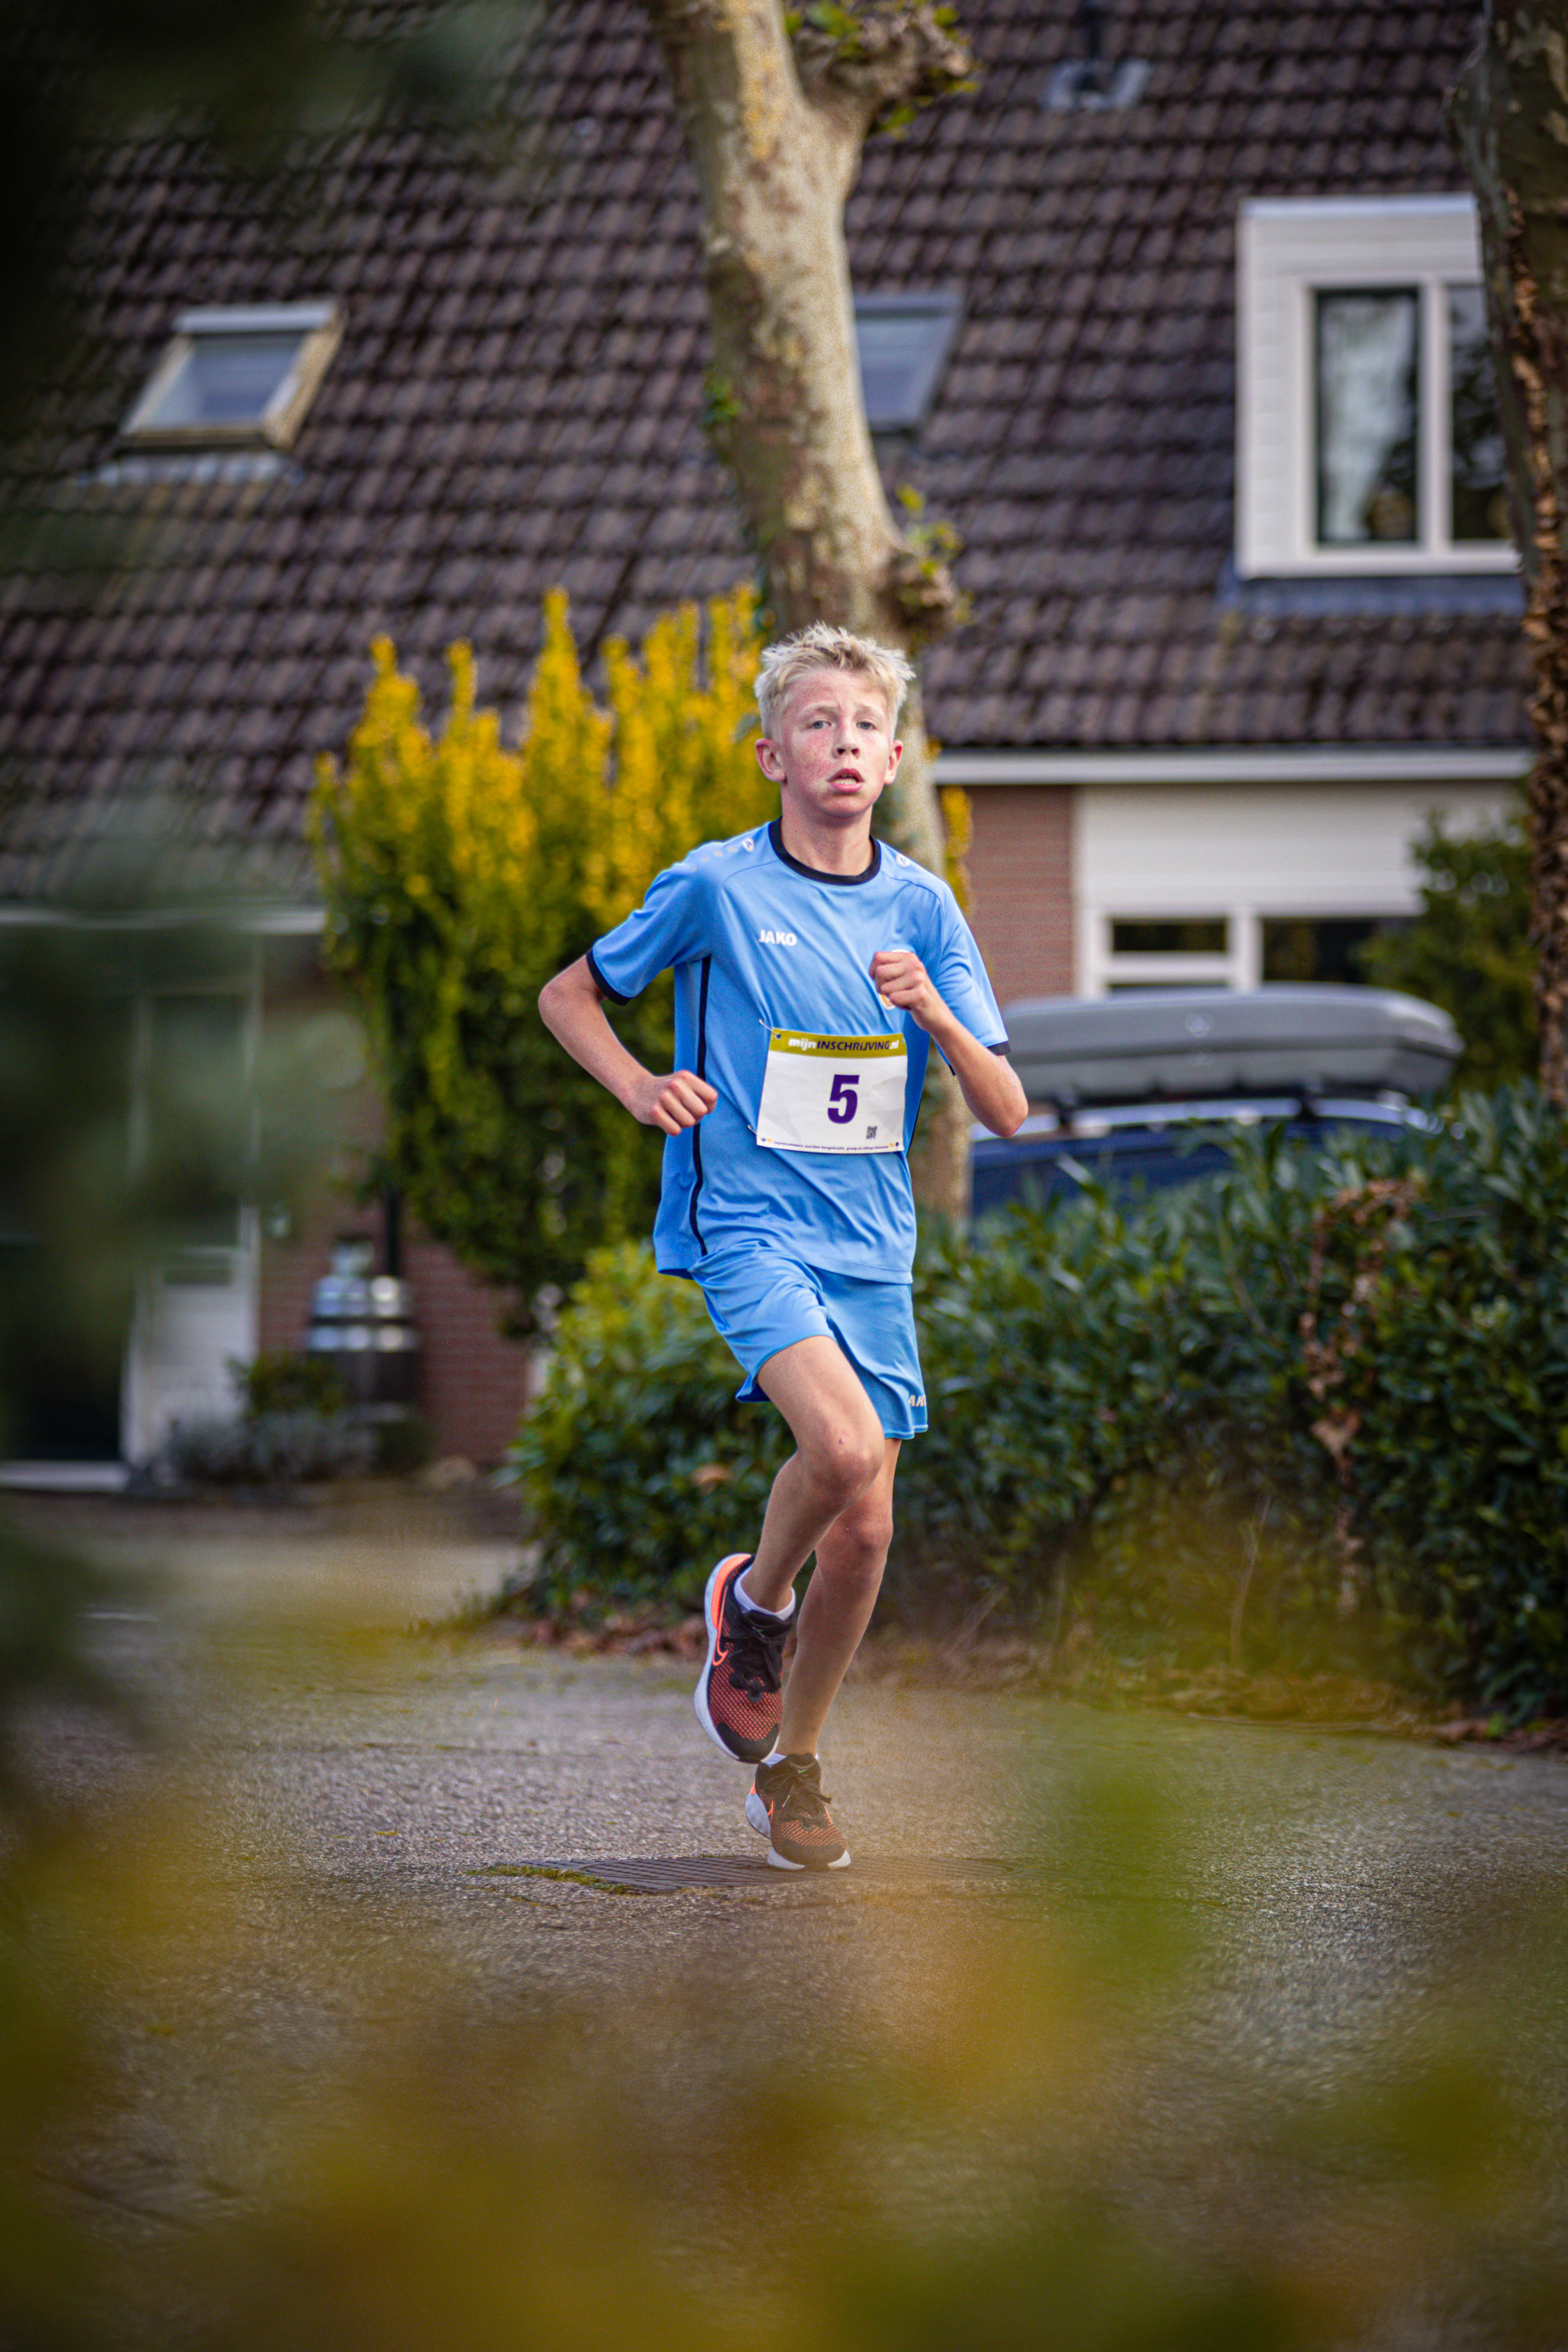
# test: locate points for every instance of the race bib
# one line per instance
(833, 1093)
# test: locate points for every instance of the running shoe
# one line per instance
(787, 1807)
(737, 1696)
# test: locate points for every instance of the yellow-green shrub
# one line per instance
(460, 874)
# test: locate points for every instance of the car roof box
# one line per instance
(1176, 1041)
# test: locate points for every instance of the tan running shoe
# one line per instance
(787, 1807)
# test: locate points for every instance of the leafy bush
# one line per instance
(1329, 1389)
(1347, 1371)
(1442, 1368)
(287, 1380)
(268, 1449)
(637, 1463)
(1469, 949)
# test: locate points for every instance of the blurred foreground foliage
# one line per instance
(459, 875)
(241, 2116)
(92, 1200)
(1316, 1409)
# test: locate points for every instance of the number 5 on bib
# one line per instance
(833, 1093)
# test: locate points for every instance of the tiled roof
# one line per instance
(516, 405)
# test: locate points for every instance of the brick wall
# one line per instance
(1021, 868)
(475, 1383)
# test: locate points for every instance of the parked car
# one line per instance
(1146, 1090)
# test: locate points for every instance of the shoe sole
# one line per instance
(752, 1752)
(757, 1814)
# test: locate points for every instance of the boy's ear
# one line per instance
(769, 759)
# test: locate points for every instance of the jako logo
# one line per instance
(777, 940)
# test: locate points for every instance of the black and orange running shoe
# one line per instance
(737, 1696)
(787, 1807)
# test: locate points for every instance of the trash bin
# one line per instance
(362, 1325)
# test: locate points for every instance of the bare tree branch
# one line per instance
(878, 65)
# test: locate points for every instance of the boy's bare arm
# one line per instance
(987, 1080)
(573, 1011)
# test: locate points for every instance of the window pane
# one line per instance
(1480, 510)
(1202, 936)
(228, 380)
(1367, 347)
(903, 345)
(1302, 948)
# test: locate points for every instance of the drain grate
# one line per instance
(672, 1874)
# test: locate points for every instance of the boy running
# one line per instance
(814, 968)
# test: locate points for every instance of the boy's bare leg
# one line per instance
(833, 1497)
(839, 1452)
(837, 1608)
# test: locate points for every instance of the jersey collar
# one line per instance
(814, 873)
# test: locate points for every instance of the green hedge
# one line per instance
(1331, 1386)
(637, 1465)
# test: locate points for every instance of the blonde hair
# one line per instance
(821, 645)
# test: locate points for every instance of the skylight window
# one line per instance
(236, 378)
(905, 341)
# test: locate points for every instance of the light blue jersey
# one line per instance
(773, 984)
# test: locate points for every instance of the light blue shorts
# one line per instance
(761, 1301)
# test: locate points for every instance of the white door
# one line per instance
(196, 1304)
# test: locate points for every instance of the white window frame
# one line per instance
(1288, 250)
(1102, 967)
(320, 327)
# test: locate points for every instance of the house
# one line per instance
(1186, 342)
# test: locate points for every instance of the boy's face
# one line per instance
(833, 750)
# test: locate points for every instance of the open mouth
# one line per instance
(846, 776)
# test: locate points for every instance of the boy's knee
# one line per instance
(867, 1532)
(846, 1462)
(855, 1551)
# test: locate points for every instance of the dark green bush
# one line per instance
(1451, 1359)
(1469, 949)
(1340, 1377)
(637, 1463)
(1361, 1355)
(287, 1380)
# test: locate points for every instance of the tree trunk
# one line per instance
(775, 129)
(1509, 114)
